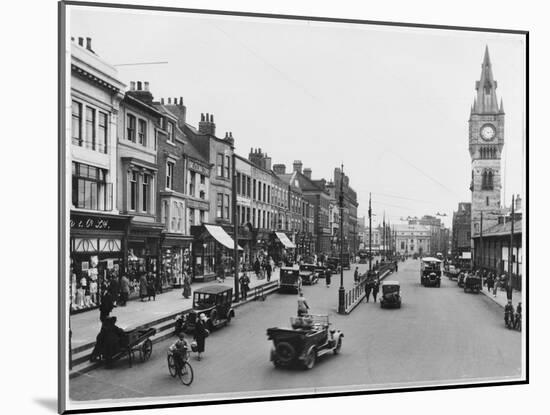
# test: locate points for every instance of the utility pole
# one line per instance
(510, 252)
(481, 241)
(341, 291)
(370, 236)
(235, 228)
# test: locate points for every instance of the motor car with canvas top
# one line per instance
(391, 294)
(430, 272)
(289, 280)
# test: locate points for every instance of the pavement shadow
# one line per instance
(48, 403)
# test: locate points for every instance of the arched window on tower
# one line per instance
(487, 180)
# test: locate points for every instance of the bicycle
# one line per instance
(180, 367)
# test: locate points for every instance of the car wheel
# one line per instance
(277, 363)
(228, 320)
(309, 362)
(338, 346)
(285, 352)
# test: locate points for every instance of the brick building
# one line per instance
(461, 231)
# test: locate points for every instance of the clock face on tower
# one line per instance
(487, 132)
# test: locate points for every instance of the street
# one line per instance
(440, 335)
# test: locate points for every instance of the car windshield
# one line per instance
(203, 300)
(390, 288)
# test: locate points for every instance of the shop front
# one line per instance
(175, 259)
(212, 253)
(247, 237)
(281, 248)
(97, 245)
(143, 253)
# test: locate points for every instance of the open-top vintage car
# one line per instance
(309, 338)
(215, 302)
(289, 280)
(472, 283)
(308, 274)
(391, 294)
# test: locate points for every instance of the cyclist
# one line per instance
(179, 350)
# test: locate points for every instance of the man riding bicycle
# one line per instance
(179, 350)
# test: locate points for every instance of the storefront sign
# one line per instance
(195, 204)
(193, 165)
(96, 223)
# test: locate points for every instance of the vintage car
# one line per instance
(289, 280)
(215, 302)
(308, 274)
(472, 283)
(309, 338)
(430, 272)
(391, 296)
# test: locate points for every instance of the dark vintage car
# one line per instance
(215, 302)
(391, 294)
(472, 283)
(309, 338)
(289, 280)
(430, 272)
(308, 274)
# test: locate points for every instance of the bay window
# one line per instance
(90, 189)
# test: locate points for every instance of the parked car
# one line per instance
(309, 338)
(472, 283)
(391, 294)
(215, 301)
(308, 274)
(289, 280)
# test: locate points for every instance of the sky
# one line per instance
(390, 103)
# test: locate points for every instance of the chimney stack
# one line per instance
(518, 203)
(206, 125)
(307, 173)
(279, 168)
(297, 166)
(138, 91)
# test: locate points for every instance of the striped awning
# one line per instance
(284, 240)
(220, 235)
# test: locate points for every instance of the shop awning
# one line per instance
(284, 240)
(221, 236)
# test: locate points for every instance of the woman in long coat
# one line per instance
(186, 285)
(142, 286)
(200, 334)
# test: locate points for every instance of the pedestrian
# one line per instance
(396, 266)
(368, 289)
(257, 267)
(268, 269)
(114, 288)
(107, 341)
(106, 305)
(328, 275)
(151, 287)
(142, 286)
(375, 287)
(124, 290)
(186, 285)
(244, 282)
(303, 306)
(158, 283)
(356, 275)
(495, 287)
(201, 333)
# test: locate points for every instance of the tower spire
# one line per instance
(486, 98)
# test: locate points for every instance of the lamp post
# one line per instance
(341, 291)
(510, 253)
(370, 236)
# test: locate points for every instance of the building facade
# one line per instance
(462, 229)
(412, 239)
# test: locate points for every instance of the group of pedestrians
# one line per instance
(372, 284)
(263, 266)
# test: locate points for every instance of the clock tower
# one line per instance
(486, 140)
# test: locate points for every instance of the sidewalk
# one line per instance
(86, 325)
(501, 299)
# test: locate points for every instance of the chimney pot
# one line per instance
(72, 38)
(181, 100)
(202, 116)
(231, 134)
(89, 43)
(162, 101)
(146, 86)
(132, 85)
(169, 100)
(212, 118)
(81, 41)
(139, 85)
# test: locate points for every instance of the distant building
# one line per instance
(462, 228)
(412, 239)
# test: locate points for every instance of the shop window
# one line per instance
(131, 128)
(76, 126)
(90, 189)
(142, 132)
(90, 128)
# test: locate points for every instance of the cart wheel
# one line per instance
(338, 346)
(146, 350)
(171, 365)
(186, 374)
(310, 358)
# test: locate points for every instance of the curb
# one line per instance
(269, 288)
